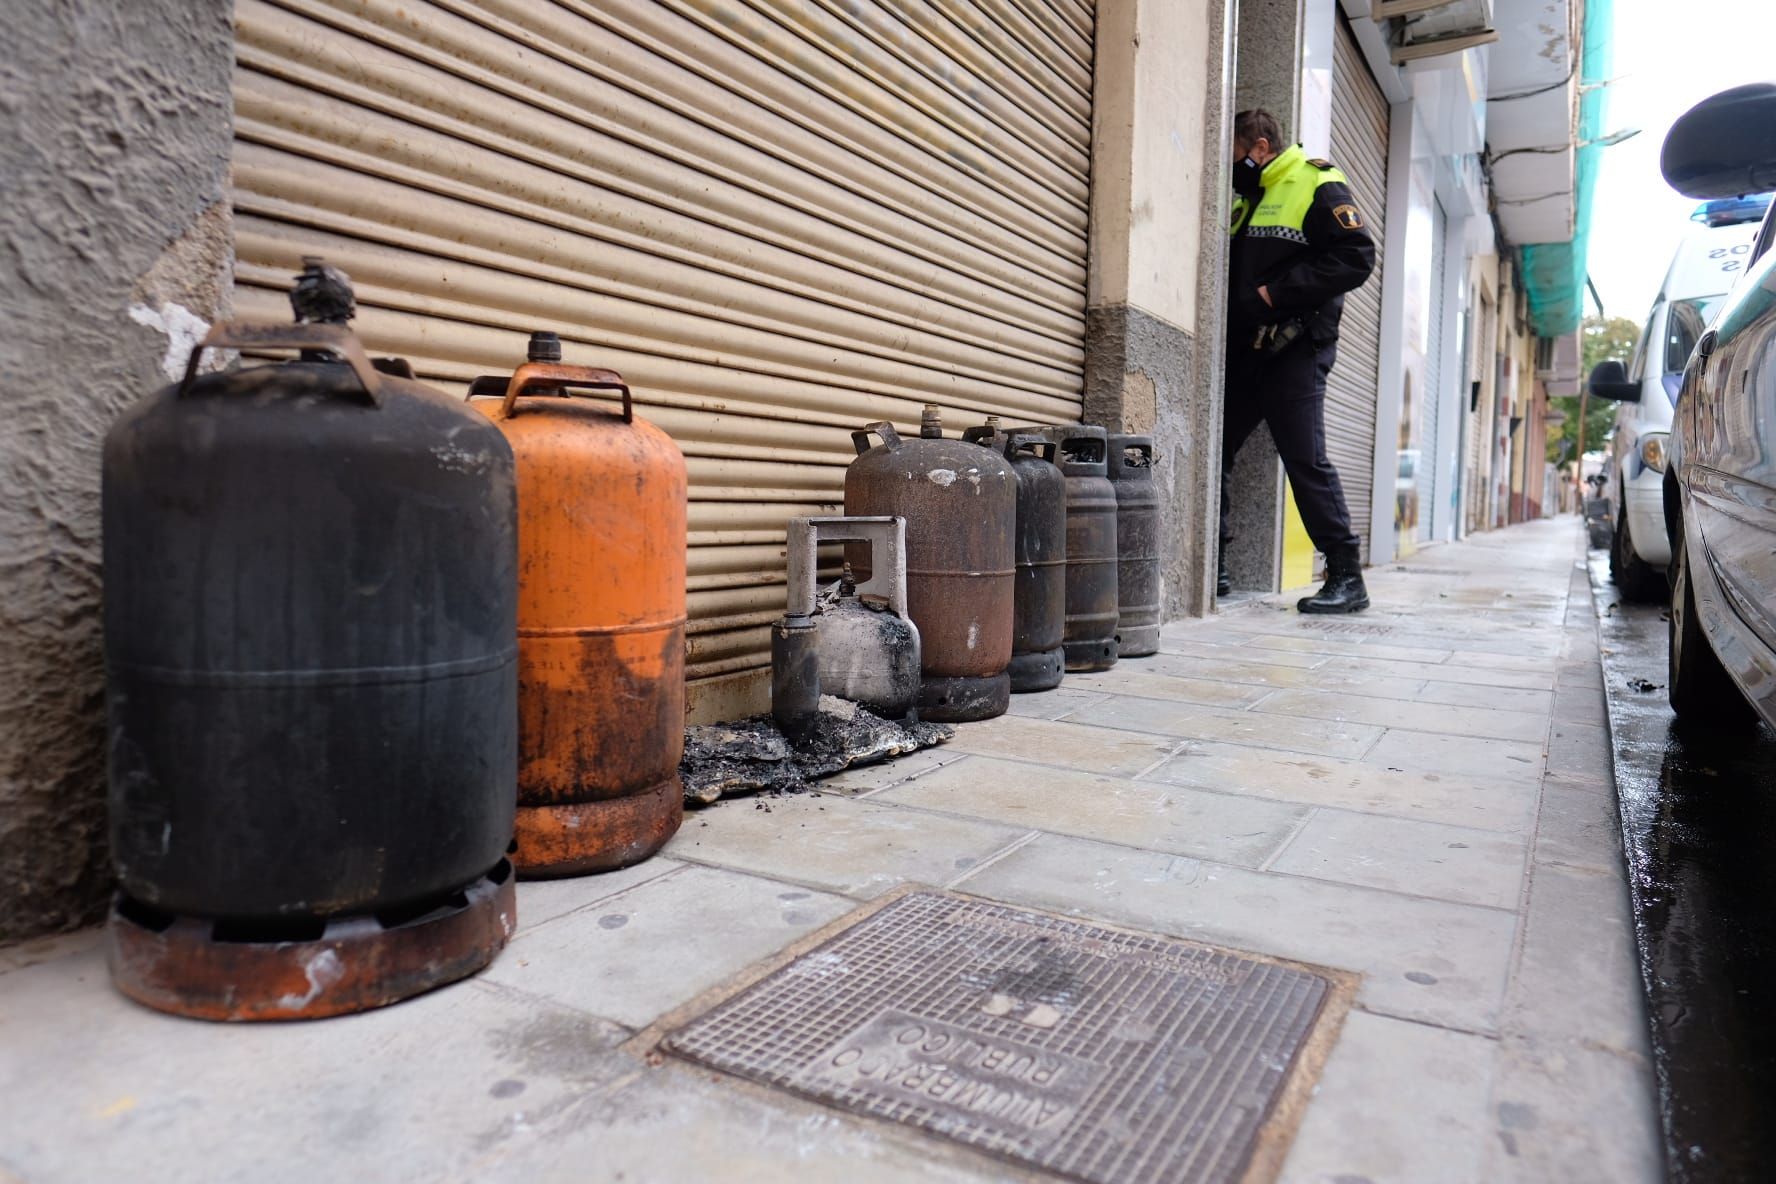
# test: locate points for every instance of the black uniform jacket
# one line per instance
(1304, 240)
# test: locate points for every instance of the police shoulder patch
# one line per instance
(1347, 216)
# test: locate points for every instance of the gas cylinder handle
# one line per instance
(882, 428)
(334, 339)
(553, 377)
(1097, 447)
(1031, 439)
(1123, 445)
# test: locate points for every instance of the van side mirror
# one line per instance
(1724, 146)
(1609, 380)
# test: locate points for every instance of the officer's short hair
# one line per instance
(1258, 124)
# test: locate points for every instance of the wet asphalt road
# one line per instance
(1699, 829)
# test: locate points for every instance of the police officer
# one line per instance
(1298, 246)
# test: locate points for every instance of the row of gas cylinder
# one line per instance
(372, 652)
(975, 569)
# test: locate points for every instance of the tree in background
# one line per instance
(1601, 339)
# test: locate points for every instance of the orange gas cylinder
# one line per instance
(601, 617)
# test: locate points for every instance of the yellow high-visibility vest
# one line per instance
(1290, 182)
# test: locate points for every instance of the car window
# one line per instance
(1637, 367)
(1764, 235)
(1684, 323)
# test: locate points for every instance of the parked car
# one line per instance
(1710, 259)
(1720, 480)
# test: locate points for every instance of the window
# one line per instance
(1764, 235)
(1683, 326)
(1637, 367)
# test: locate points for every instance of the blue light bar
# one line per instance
(1731, 211)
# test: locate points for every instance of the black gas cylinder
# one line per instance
(310, 635)
(1090, 634)
(1137, 546)
(1040, 599)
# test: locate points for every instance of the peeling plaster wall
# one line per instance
(115, 252)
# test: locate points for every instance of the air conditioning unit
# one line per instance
(1419, 29)
(1557, 358)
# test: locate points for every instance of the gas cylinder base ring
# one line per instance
(1087, 656)
(964, 699)
(1137, 641)
(580, 838)
(196, 967)
(1040, 671)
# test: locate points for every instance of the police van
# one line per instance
(1708, 262)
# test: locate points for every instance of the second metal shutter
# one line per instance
(1359, 148)
(780, 221)
(1432, 487)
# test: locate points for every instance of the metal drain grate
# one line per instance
(1103, 1055)
(1349, 628)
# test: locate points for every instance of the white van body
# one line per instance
(1707, 264)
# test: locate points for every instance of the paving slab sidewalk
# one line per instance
(1396, 795)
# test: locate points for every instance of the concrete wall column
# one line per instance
(1268, 74)
(1154, 318)
(116, 250)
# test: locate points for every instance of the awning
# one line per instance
(1554, 273)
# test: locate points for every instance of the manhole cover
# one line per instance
(1099, 1054)
(1351, 628)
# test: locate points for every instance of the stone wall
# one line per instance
(115, 253)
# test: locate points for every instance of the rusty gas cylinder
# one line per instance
(1137, 546)
(1090, 634)
(310, 653)
(856, 641)
(601, 616)
(960, 505)
(1040, 597)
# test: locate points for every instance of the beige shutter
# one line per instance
(780, 219)
(1359, 148)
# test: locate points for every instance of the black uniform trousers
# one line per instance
(1287, 390)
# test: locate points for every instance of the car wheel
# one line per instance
(1702, 693)
(1635, 578)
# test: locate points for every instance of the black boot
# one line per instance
(1223, 581)
(1343, 591)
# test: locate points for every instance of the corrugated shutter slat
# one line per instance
(779, 222)
(1359, 148)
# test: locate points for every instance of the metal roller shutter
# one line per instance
(1430, 466)
(779, 220)
(1359, 148)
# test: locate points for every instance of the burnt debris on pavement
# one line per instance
(753, 755)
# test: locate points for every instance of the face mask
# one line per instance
(1248, 178)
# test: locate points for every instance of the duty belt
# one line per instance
(1274, 339)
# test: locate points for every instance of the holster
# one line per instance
(1274, 339)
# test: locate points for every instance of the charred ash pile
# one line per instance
(754, 756)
